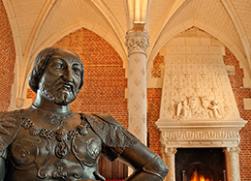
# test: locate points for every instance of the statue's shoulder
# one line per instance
(9, 127)
(11, 113)
(102, 124)
(101, 119)
(11, 118)
(111, 132)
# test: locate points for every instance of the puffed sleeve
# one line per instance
(115, 138)
(9, 126)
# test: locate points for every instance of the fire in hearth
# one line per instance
(200, 164)
(199, 177)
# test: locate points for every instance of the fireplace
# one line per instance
(200, 140)
(200, 164)
(181, 139)
(198, 112)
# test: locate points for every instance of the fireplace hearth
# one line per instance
(200, 164)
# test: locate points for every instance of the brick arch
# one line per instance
(7, 59)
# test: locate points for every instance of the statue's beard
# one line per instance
(60, 92)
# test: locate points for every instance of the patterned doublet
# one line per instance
(36, 153)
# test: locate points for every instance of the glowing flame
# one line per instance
(197, 177)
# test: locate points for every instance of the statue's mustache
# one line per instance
(70, 86)
(60, 84)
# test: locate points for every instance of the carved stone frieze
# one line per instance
(185, 133)
(200, 134)
(136, 42)
(200, 137)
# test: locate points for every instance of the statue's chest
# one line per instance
(55, 153)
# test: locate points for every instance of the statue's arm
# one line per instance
(118, 142)
(148, 166)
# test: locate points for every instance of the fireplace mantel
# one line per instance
(202, 133)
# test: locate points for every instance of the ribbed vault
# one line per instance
(41, 23)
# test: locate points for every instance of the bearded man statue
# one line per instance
(48, 142)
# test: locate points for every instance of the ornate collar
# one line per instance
(59, 134)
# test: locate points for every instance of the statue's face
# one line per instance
(61, 79)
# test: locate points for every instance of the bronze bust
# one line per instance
(49, 142)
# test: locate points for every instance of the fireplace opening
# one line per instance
(200, 164)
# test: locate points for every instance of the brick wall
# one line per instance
(154, 97)
(153, 107)
(240, 93)
(104, 77)
(7, 59)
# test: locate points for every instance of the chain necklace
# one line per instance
(59, 134)
(51, 117)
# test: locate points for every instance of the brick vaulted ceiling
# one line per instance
(40, 23)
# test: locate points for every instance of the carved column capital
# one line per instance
(137, 42)
(233, 149)
(170, 151)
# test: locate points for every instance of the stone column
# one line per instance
(169, 157)
(137, 42)
(232, 163)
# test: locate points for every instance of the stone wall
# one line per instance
(7, 59)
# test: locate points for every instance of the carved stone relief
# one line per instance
(197, 87)
(198, 107)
